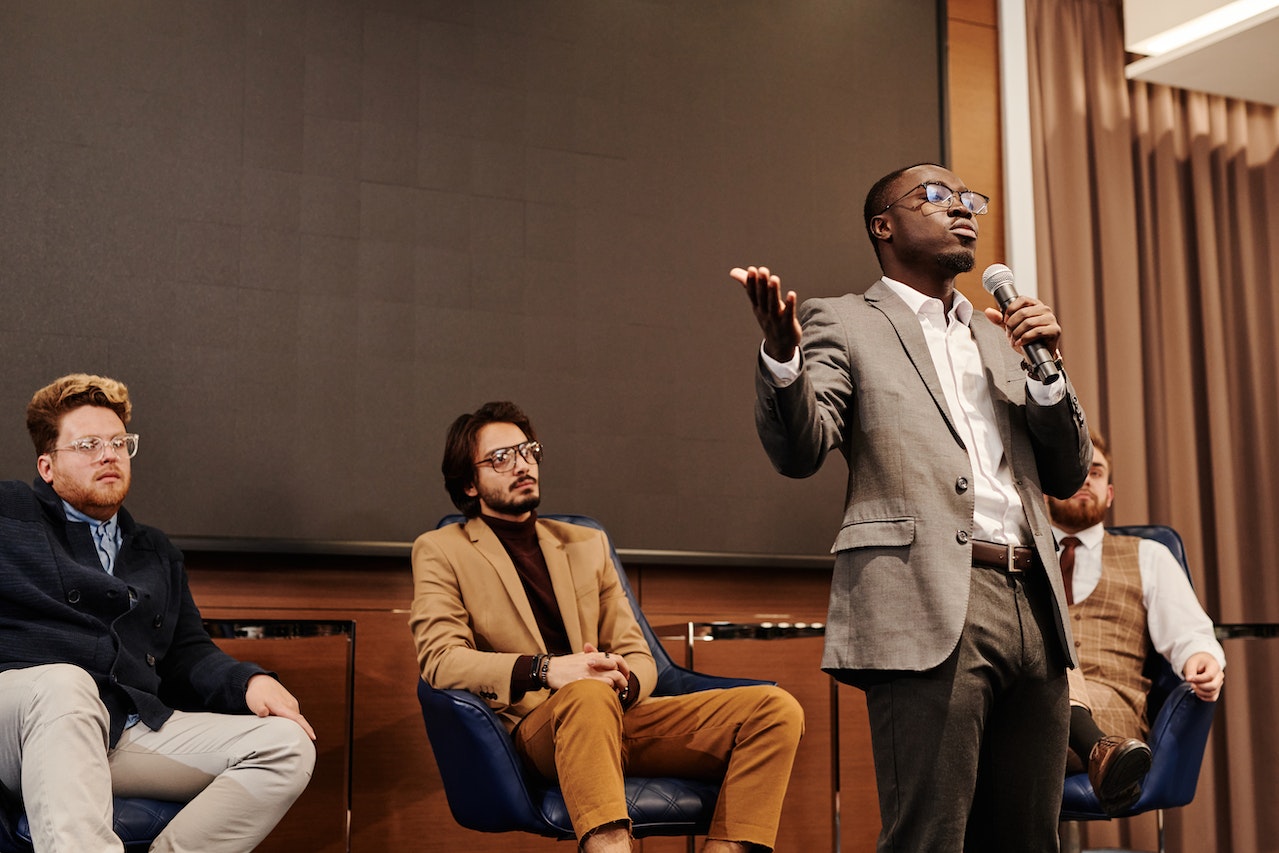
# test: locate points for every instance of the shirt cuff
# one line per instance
(522, 680)
(783, 372)
(1045, 395)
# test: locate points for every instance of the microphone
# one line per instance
(998, 281)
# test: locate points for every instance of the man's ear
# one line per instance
(881, 228)
(471, 491)
(44, 465)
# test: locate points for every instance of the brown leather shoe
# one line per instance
(1116, 767)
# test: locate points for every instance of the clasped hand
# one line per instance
(589, 663)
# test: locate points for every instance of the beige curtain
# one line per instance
(1157, 216)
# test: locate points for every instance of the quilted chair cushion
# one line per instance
(138, 821)
(667, 806)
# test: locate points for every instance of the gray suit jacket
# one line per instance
(867, 387)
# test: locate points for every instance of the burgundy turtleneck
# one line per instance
(519, 538)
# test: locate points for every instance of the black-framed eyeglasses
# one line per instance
(503, 459)
(944, 197)
(93, 447)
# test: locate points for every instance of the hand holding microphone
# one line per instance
(998, 281)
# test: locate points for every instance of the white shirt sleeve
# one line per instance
(1045, 395)
(784, 372)
(1178, 625)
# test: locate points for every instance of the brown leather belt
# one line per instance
(1013, 559)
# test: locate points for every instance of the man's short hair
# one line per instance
(53, 401)
(460, 449)
(877, 199)
(1099, 444)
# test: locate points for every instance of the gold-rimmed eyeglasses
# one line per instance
(503, 459)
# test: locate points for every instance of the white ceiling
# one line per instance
(1241, 61)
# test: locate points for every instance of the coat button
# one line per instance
(961, 536)
(961, 485)
(150, 660)
(73, 596)
(159, 621)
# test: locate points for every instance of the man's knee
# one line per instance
(63, 689)
(778, 708)
(291, 750)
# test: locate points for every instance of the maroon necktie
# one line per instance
(1067, 560)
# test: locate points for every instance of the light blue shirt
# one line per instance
(106, 536)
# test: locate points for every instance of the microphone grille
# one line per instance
(994, 276)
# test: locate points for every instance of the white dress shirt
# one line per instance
(1178, 626)
(998, 515)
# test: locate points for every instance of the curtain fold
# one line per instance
(1159, 251)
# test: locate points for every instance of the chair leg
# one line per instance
(692, 844)
(1069, 836)
(1159, 828)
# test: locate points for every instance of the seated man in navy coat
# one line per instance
(100, 641)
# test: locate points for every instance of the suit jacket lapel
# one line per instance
(490, 547)
(557, 563)
(912, 339)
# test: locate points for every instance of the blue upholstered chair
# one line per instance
(1178, 730)
(137, 821)
(487, 788)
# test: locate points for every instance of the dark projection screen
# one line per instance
(309, 234)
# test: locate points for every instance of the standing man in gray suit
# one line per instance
(947, 606)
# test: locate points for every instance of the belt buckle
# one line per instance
(1010, 553)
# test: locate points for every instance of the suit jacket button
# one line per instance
(961, 536)
(150, 660)
(159, 621)
(73, 596)
(961, 485)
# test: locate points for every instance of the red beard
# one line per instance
(1077, 514)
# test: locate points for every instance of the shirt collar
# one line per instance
(961, 308)
(1089, 537)
(74, 514)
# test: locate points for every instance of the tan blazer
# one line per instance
(903, 556)
(471, 618)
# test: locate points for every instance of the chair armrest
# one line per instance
(676, 680)
(483, 777)
(1178, 738)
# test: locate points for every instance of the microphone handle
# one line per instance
(1042, 364)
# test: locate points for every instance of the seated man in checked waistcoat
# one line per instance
(1126, 595)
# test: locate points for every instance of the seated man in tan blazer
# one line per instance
(530, 615)
(1126, 595)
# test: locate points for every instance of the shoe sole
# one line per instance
(1122, 787)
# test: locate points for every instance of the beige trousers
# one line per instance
(746, 736)
(238, 773)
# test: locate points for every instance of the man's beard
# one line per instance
(960, 260)
(1077, 515)
(504, 501)
(96, 498)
